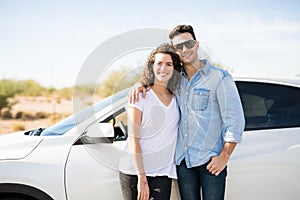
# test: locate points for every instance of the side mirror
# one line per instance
(100, 130)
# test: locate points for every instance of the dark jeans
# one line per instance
(159, 186)
(190, 180)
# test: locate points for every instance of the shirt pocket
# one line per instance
(200, 99)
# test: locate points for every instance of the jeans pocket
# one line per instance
(200, 99)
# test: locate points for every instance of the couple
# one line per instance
(199, 119)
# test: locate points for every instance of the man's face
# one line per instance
(186, 47)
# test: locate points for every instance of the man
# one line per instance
(211, 124)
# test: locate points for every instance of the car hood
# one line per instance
(17, 145)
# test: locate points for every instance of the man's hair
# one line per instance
(148, 76)
(182, 29)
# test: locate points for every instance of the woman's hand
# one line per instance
(143, 188)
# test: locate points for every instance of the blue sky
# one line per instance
(49, 40)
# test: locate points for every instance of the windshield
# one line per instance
(71, 121)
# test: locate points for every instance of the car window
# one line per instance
(269, 105)
(119, 121)
(121, 125)
(68, 123)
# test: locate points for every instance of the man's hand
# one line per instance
(218, 163)
(134, 94)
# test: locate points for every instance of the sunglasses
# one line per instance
(188, 44)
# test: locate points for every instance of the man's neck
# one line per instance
(192, 68)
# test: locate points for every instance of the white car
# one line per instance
(78, 157)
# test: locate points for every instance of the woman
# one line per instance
(152, 128)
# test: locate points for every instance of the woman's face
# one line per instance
(163, 67)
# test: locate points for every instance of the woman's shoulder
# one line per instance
(143, 100)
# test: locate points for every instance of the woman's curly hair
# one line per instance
(148, 76)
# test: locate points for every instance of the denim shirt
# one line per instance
(211, 114)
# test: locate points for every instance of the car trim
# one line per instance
(87, 140)
(294, 82)
(272, 128)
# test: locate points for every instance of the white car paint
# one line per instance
(17, 146)
(267, 163)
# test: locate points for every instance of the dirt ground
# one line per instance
(31, 106)
(7, 126)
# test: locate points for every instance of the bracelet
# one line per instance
(145, 182)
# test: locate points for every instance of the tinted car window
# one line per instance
(269, 105)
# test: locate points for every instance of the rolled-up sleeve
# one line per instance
(231, 110)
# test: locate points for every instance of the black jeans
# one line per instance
(190, 180)
(159, 186)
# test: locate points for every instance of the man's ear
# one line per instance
(198, 44)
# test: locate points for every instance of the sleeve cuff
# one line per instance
(232, 137)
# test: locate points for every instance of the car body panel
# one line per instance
(267, 162)
(43, 168)
(89, 177)
(17, 145)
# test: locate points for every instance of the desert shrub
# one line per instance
(19, 115)
(49, 100)
(118, 80)
(41, 115)
(18, 127)
(30, 88)
(28, 116)
(6, 115)
(64, 115)
(8, 89)
(55, 117)
(65, 93)
(58, 100)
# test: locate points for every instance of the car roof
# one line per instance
(290, 81)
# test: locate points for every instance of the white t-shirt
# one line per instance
(159, 129)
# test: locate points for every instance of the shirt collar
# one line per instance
(204, 70)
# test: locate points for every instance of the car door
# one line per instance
(92, 166)
(266, 165)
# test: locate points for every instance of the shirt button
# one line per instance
(186, 93)
(185, 147)
(185, 135)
